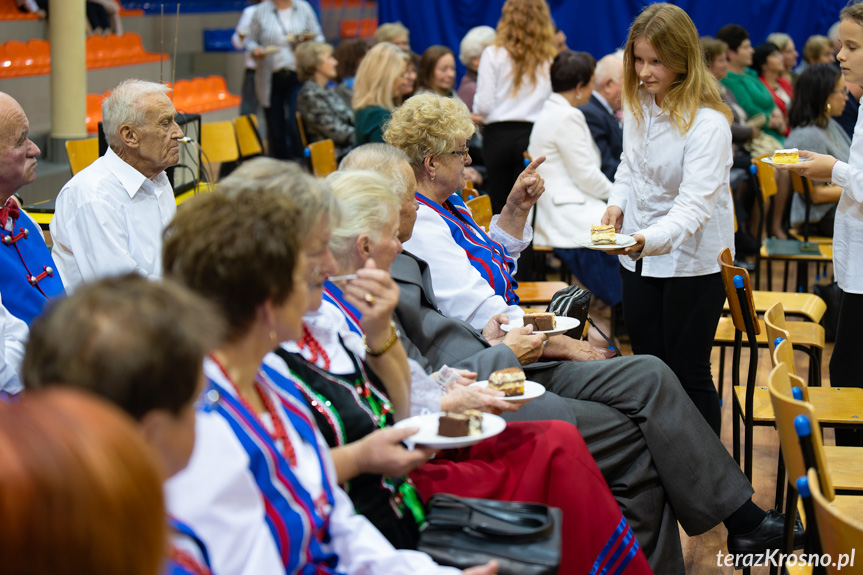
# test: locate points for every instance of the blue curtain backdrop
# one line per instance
(600, 27)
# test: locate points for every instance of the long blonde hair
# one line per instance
(378, 72)
(526, 33)
(671, 33)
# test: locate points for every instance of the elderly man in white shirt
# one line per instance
(13, 337)
(109, 217)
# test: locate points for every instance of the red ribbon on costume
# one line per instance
(9, 210)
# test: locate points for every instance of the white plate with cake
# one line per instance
(784, 157)
(604, 238)
(448, 430)
(532, 390)
(546, 323)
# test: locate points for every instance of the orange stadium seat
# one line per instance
(9, 11)
(94, 112)
(19, 56)
(40, 50)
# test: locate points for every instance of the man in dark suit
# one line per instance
(661, 460)
(601, 112)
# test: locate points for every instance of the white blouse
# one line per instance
(848, 226)
(494, 100)
(674, 190)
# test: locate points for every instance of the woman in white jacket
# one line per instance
(577, 189)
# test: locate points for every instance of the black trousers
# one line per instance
(282, 132)
(844, 363)
(504, 145)
(675, 320)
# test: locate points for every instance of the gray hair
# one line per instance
(312, 196)
(124, 105)
(609, 67)
(367, 197)
(390, 30)
(383, 159)
(474, 42)
(833, 32)
(781, 39)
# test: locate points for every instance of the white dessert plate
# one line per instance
(622, 241)
(532, 390)
(772, 163)
(428, 435)
(562, 325)
(267, 50)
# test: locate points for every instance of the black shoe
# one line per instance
(767, 536)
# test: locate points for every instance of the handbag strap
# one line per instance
(522, 519)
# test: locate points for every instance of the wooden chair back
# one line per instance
(323, 156)
(784, 354)
(838, 534)
(82, 153)
(480, 209)
(468, 192)
(248, 139)
(766, 177)
(301, 128)
(728, 271)
(219, 142)
(774, 321)
(787, 409)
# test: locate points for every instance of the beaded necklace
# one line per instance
(309, 342)
(279, 432)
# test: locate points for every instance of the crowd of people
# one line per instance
(218, 383)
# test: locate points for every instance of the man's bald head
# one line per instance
(17, 153)
(609, 79)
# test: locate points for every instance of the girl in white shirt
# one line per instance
(847, 230)
(671, 193)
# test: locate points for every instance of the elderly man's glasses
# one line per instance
(843, 91)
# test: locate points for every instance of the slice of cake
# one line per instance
(603, 235)
(510, 381)
(540, 321)
(453, 424)
(786, 156)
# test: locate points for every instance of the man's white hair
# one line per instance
(609, 67)
(124, 106)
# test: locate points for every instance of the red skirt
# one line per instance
(544, 462)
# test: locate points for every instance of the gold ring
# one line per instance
(370, 299)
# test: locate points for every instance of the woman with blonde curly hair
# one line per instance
(671, 195)
(512, 85)
(384, 78)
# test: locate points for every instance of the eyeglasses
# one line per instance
(463, 153)
(843, 91)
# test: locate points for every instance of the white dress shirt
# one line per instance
(460, 289)
(108, 220)
(12, 342)
(217, 497)
(494, 99)
(848, 225)
(674, 190)
(243, 30)
(575, 187)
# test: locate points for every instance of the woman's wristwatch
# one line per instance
(394, 336)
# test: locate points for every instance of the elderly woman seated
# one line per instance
(325, 114)
(472, 271)
(349, 338)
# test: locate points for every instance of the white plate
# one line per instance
(428, 426)
(772, 163)
(622, 241)
(532, 390)
(563, 324)
(267, 50)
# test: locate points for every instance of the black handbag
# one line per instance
(574, 301)
(524, 538)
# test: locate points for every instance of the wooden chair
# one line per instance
(82, 153)
(803, 305)
(807, 336)
(219, 145)
(323, 158)
(838, 467)
(835, 406)
(803, 186)
(480, 209)
(840, 531)
(538, 292)
(248, 138)
(468, 192)
(301, 128)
